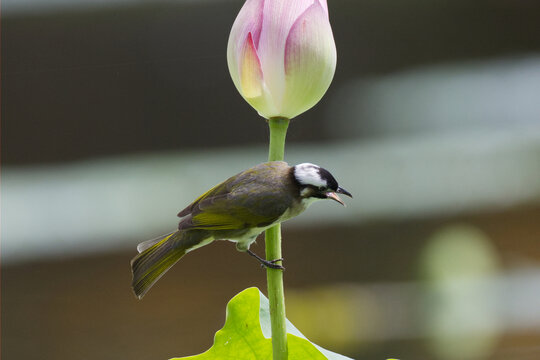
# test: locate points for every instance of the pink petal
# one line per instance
(249, 20)
(304, 35)
(251, 76)
(324, 6)
(279, 16)
(310, 60)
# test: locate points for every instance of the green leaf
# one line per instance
(246, 334)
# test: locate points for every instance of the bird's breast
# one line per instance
(297, 207)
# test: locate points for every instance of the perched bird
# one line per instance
(238, 210)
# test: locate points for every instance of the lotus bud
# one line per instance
(281, 55)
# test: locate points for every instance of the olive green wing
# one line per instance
(245, 178)
(252, 198)
(217, 191)
(237, 210)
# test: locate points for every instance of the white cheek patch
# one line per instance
(308, 174)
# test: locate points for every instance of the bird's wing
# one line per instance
(236, 210)
(239, 202)
(216, 191)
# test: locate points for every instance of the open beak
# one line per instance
(334, 196)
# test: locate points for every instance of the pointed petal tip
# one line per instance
(251, 75)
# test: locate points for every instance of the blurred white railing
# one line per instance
(94, 204)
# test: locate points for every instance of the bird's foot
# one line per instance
(267, 263)
(272, 264)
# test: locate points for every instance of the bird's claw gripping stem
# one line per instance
(267, 263)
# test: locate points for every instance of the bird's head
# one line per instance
(317, 183)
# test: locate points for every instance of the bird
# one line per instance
(238, 209)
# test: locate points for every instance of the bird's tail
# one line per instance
(155, 258)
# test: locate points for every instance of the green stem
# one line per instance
(276, 295)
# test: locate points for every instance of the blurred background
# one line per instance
(116, 114)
